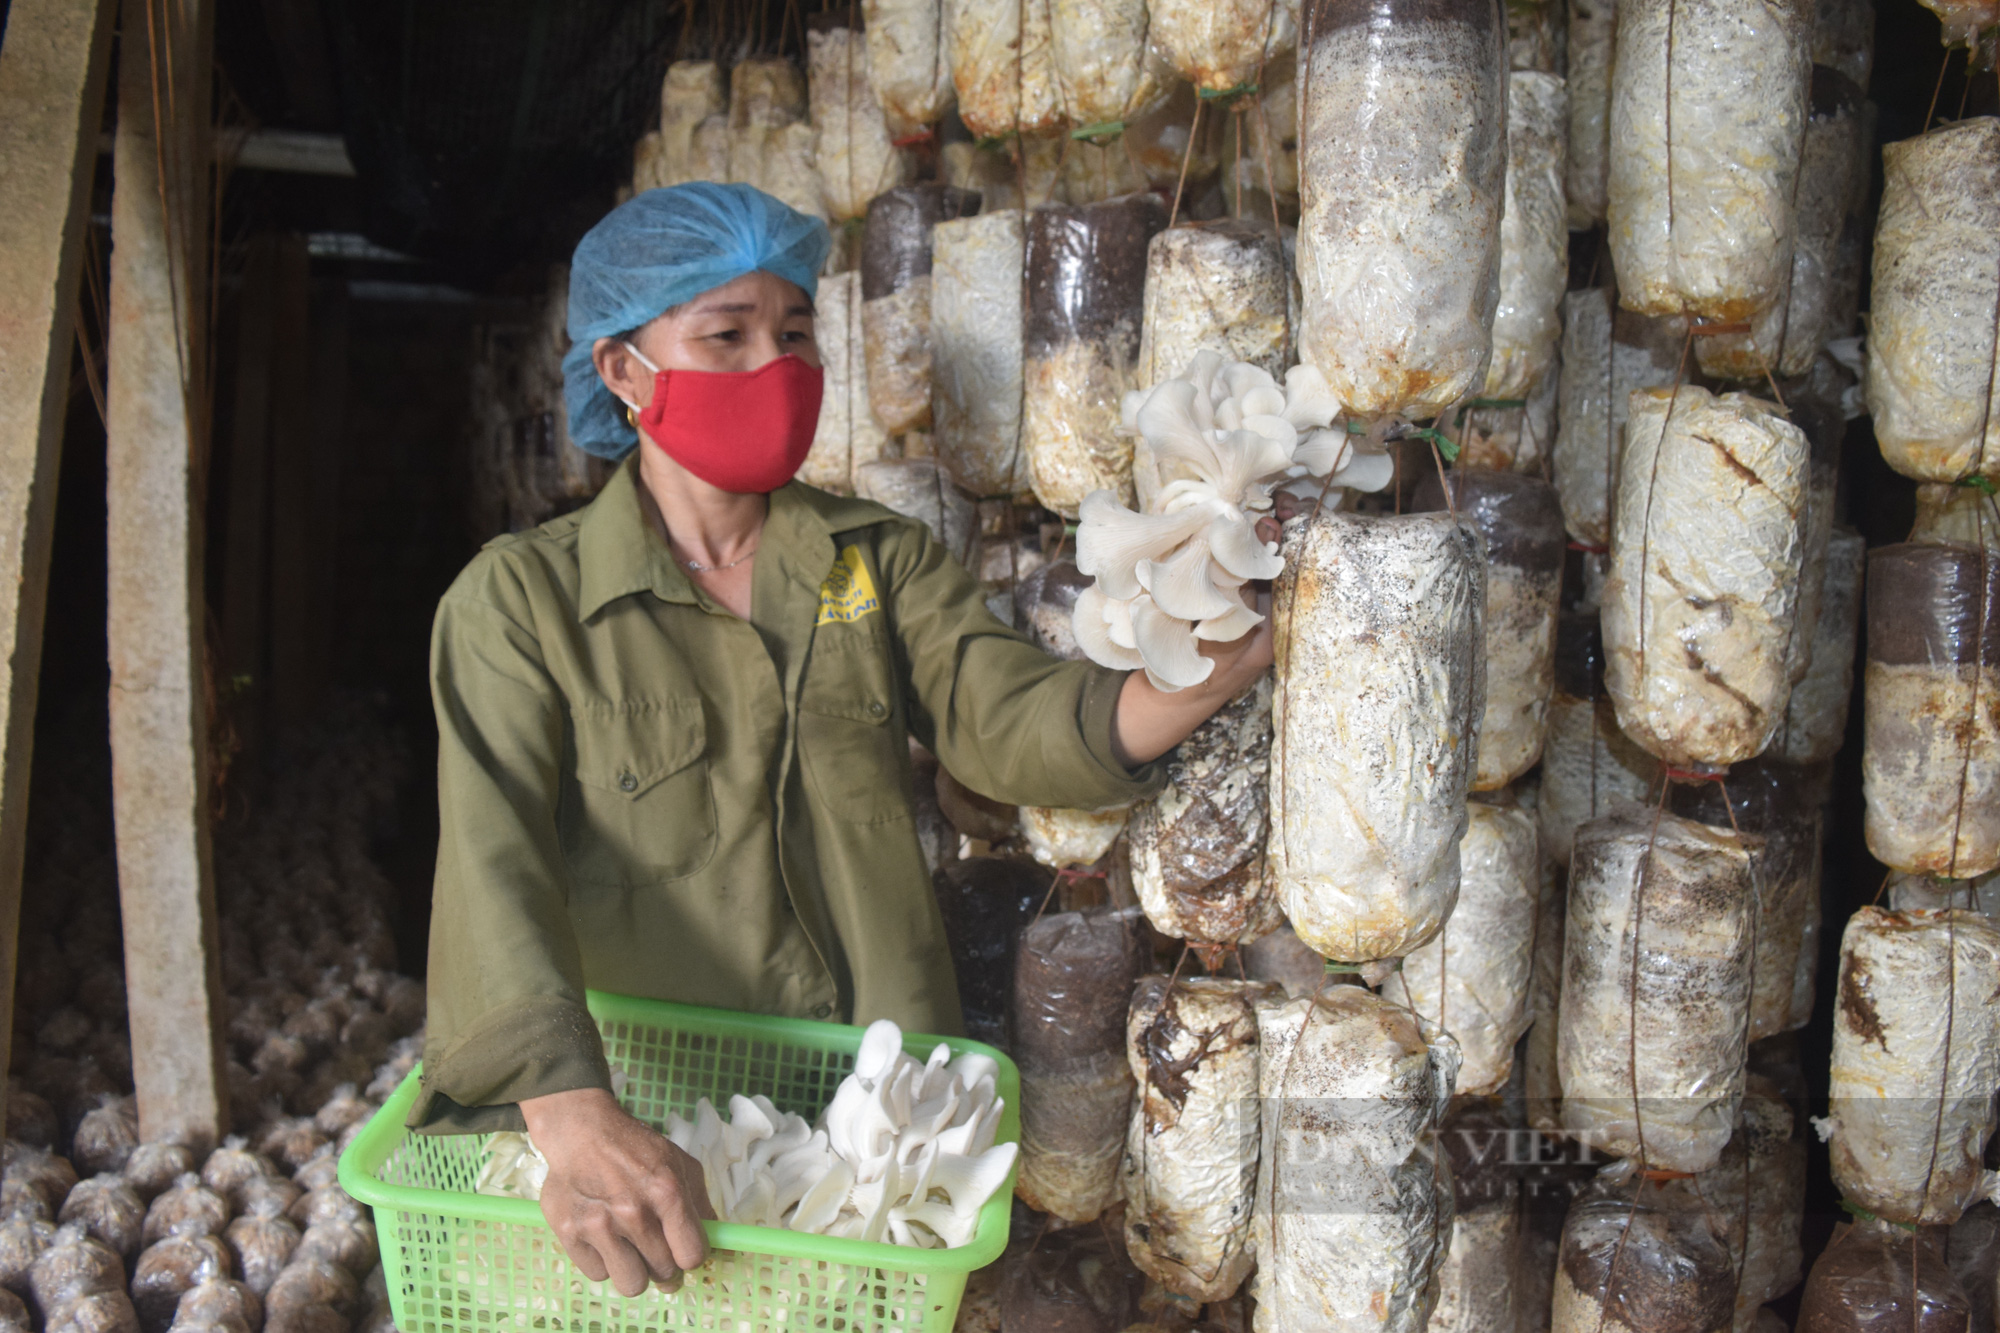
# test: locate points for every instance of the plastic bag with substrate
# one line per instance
(976, 351)
(1758, 1194)
(907, 67)
(1104, 73)
(1402, 166)
(1534, 237)
(896, 299)
(1003, 66)
(1916, 1061)
(1086, 276)
(1219, 45)
(1606, 354)
(851, 142)
(1656, 987)
(169, 1269)
(1354, 1196)
(1477, 1287)
(1593, 37)
(1073, 979)
(1815, 722)
(1070, 1282)
(1640, 1256)
(1380, 683)
(848, 437)
(1930, 767)
(1190, 1168)
(1876, 1277)
(1588, 764)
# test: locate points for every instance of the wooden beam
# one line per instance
(52, 71)
(157, 433)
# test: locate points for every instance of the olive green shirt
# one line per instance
(639, 792)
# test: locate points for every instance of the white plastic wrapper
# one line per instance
(1606, 355)
(1538, 38)
(1588, 764)
(1656, 988)
(1929, 893)
(1930, 769)
(1708, 105)
(1844, 38)
(1003, 66)
(1541, 1084)
(1757, 1192)
(691, 94)
(1916, 1061)
(1520, 522)
(1816, 716)
(976, 351)
(1086, 276)
(1380, 685)
(1534, 237)
(851, 139)
(1218, 45)
(1512, 439)
(1932, 349)
(1700, 605)
(1190, 1172)
(1071, 838)
(1354, 1197)
(1673, 1273)
(770, 139)
(1471, 980)
(907, 66)
(1479, 1290)
(1962, 514)
(1403, 160)
(1964, 20)
(918, 488)
(1103, 72)
(1593, 41)
(848, 436)
(1198, 847)
(896, 299)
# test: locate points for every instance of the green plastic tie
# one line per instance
(1984, 485)
(1856, 1210)
(1441, 441)
(1226, 94)
(1103, 129)
(1356, 427)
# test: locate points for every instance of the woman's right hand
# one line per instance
(625, 1203)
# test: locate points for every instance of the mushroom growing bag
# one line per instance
(1003, 66)
(1934, 323)
(1758, 1192)
(1198, 846)
(1606, 354)
(1916, 1061)
(1593, 40)
(1877, 1277)
(907, 66)
(1640, 1256)
(848, 437)
(1354, 1198)
(1700, 604)
(1534, 237)
(1816, 714)
(1380, 685)
(1930, 771)
(1588, 764)
(1086, 290)
(1403, 159)
(1103, 72)
(850, 137)
(1656, 988)
(1708, 108)
(1521, 522)
(1478, 1290)
(1191, 1154)
(1471, 980)
(896, 299)
(1073, 979)
(1219, 45)
(976, 351)
(1218, 285)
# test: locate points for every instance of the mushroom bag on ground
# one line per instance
(907, 66)
(1934, 323)
(1471, 980)
(1380, 685)
(1930, 769)
(1003, 66)
(1402, 164)
(976, 351)
(1198, 846)
(1219, 45)
(1815, 722)
(1588, 764)
(1354, 1197)
(1877, 1277)
(1534, 237)
(1708, 108)
(1916, 1061)
(1641, 1257)
(848, 437)
(896, 299)
(1073, 979)
(1700, 605)
(1190, 1167)
(1086, 274)
(1656, 988)
(1521, 521)
(1606, 354)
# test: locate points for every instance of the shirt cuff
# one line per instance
(1094, 713)
(529, 1048)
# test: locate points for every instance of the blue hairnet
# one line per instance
(655, 251)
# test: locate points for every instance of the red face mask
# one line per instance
(745, 431)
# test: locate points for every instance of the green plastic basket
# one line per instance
(459, 1262)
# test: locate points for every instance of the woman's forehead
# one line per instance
(755, 290)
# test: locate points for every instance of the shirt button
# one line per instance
(626, 782)
(876, 709)
(822, 1010)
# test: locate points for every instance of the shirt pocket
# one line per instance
(851, 733)
(640, 811)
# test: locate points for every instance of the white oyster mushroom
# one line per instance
(1220, 437)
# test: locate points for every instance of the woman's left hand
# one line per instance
(1151, 721)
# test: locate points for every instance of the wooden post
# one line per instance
(158, 421)
(52, 70)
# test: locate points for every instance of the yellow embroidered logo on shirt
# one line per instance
(848, 593)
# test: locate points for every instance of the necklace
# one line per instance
(700, 568)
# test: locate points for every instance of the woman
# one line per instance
(672, 726)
